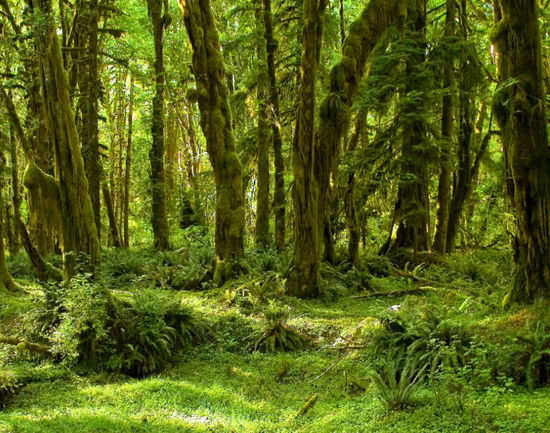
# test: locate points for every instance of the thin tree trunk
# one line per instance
(111, 214)
(128, 165)
(263, 238)
(156, 155)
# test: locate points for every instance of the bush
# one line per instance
(137, 334)
(277, 334)
(397, 379)
(8, 386)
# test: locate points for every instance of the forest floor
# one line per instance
(224, 386)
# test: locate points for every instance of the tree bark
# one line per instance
(156, 155)
(521, 114)
(212, 96)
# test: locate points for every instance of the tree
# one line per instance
(263, 137)
(447, 127)
(519, 106)
(156, 156)
(212, 96)
(303, 277)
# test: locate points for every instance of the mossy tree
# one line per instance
(519, 106)
(78, 222)
(345, 77)
(447, 135)
(303, 277)
(215, 118)
(279, 198)
(263, 138)
(159, 219)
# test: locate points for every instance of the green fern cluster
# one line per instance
(439, 343)
(137, 334)
(277, 335)
(397, 379)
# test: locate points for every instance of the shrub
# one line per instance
(8, 386)
(277, 335)
(137, 334)
(397, 379)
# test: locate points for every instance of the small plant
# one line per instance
(8, 386)
(397, 379)
(536, 349)
(277, 334)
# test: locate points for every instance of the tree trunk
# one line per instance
(89, 95)
(521, 114)
(128, 170)
(279, 201)
(156, 155)
(6, 280)
(212, 96)
(111, 215)
(79, 229)
(447, 127)
(303, 277)
(263, 238)
(412, 208)
(364, 35)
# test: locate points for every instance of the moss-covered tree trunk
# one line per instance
(364, 35)
(6, 280)
(156, 155)
(279, 196)
(128, 170)
(447, 128)
(303, 277)
(88, 81)
(412, 208)
(215, 119)
(263, 138)
(78, 221)
(520, 111)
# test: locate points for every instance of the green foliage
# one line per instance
(397, 378)
(137, 334)
(8, 385)
(277, 335)
(438, 342)
(535, 349)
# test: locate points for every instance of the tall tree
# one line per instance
(262, 136)
(279, 199)
(212, 96)
(520, 111)
(303, 277)
(411, 214)
(159, 217)
(447, 127)
(345, 76)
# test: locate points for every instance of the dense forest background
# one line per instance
(363, 184)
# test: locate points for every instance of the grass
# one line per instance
(224, 387)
